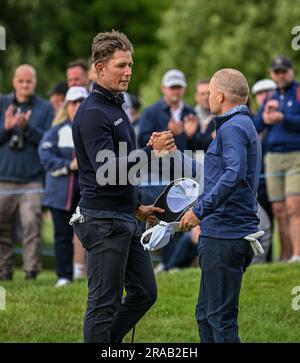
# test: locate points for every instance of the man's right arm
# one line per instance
(97, 137)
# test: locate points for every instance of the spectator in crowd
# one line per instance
(77, 74)
(168, 113)
(58, 94)
(281, 116)
(24, 117)
(62, 192)
(132, 106)
(206, 126)
(263, 90)
(91, 74)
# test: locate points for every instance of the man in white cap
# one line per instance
(170, 112)
(262, 90)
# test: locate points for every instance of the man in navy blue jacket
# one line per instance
(227, 208)
(24, 117)
(109, 229)
(170, 113)
(280, 116)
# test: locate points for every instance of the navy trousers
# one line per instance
(63, 246)
(222, 263)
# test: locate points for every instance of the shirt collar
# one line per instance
(242, 109)
(97, 88)
(27, 103)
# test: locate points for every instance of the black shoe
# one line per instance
(8, 276)
(30, 275)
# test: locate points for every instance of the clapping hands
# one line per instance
(271, 114)
(15, 119)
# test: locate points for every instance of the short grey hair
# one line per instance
(105, 44)
(233, 83)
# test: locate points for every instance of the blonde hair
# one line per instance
(61, 115)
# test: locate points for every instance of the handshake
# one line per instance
(162, 143)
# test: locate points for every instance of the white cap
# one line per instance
(263, 85)
(76, 93)
(174, 77)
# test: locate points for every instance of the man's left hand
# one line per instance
(144, 212)
(188, 221)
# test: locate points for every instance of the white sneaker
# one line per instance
(62, 282)
(79, 271)
(294, 259)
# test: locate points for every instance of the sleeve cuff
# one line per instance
(147, 150)
(197, 212)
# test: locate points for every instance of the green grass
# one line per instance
(38, 312)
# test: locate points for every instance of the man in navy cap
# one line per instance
(280, 115)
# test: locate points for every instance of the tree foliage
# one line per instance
(50, 34)
(200, 37)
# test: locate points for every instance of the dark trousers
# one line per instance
(222, 263)
(63, 246)
(116, 259)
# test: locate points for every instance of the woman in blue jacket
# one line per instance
(56, 151)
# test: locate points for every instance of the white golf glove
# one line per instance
(254, 242)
